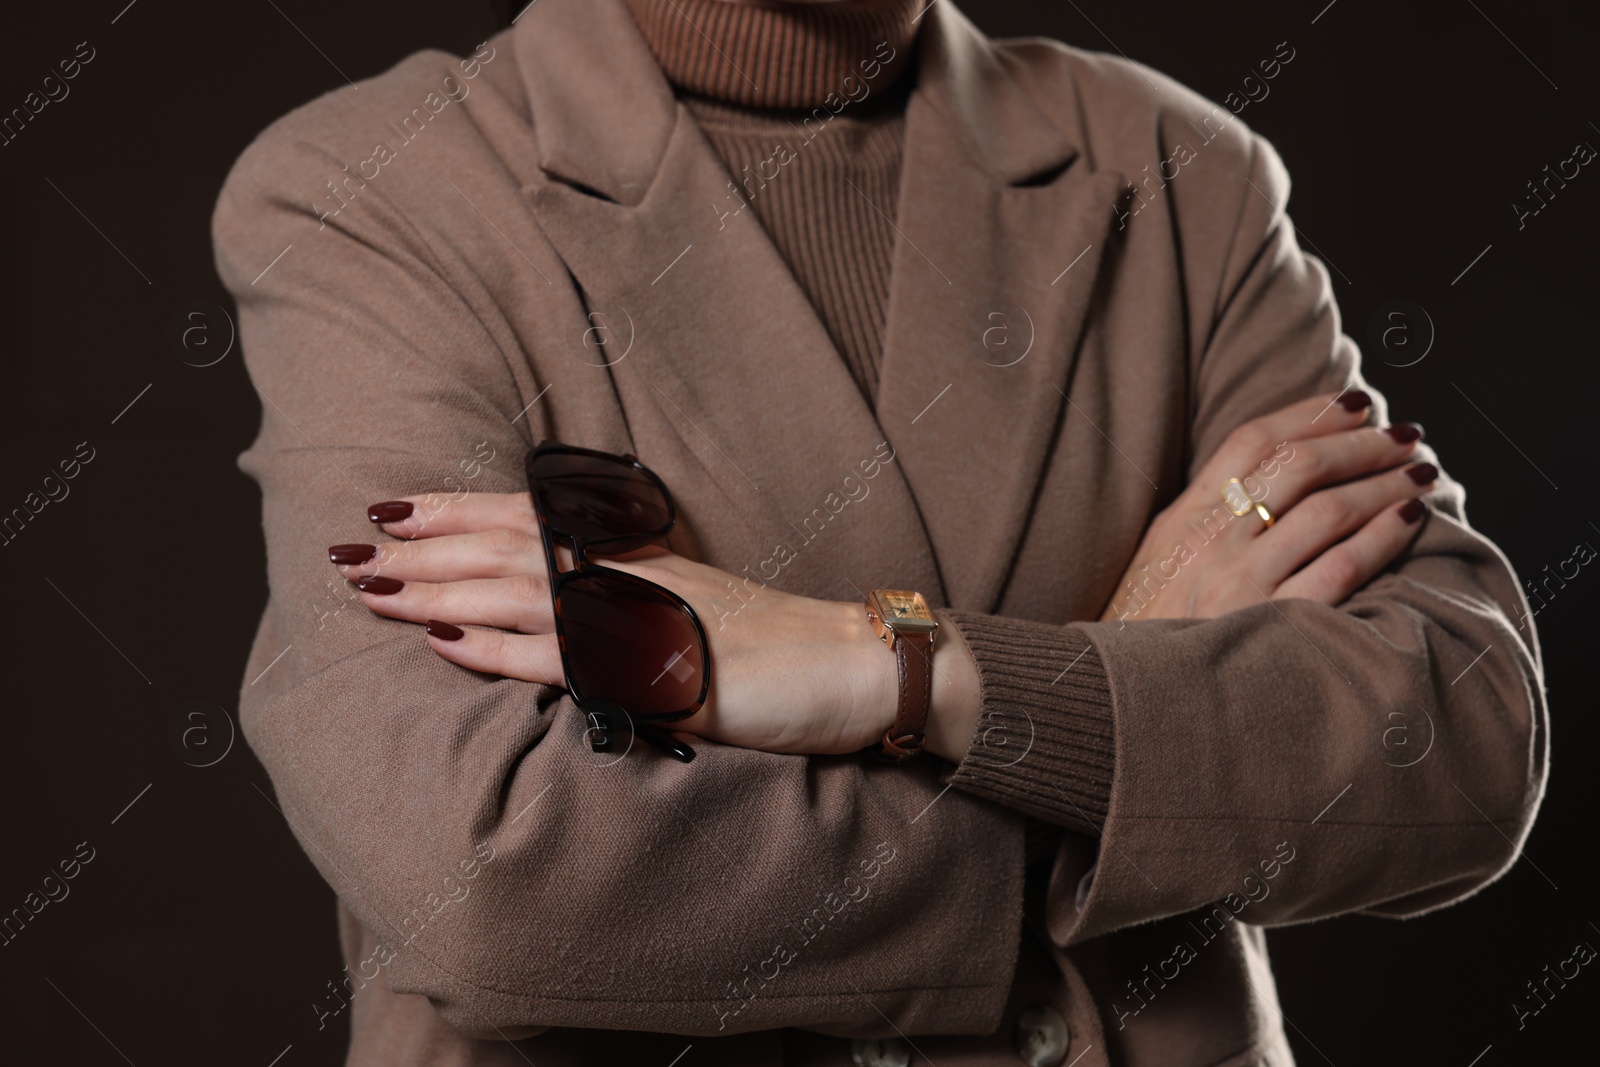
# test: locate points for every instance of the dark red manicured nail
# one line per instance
(351, 555)
(379, 585)
(390, 511)
(444, 631)
(1404, 432)
(1355, 401)
(1412, 509)
(1422, 473)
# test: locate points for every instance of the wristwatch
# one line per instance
(906, 624)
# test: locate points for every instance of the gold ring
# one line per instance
(1237, 499)
(1241, 503)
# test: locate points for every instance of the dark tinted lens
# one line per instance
(630, 643)
(596, 498)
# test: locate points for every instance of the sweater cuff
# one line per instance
(1044, 743)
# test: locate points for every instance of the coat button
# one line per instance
(884, 1052)
(1042, 1037)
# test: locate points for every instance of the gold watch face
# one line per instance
(901, 611)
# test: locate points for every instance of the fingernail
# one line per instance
(351, 555)
(379, 585)
(1355, 401)
(1412, 509)
(444, 631)
(390, 511)
(1422, 473)
(1404, 432)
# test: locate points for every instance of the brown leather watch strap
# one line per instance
(913, 654)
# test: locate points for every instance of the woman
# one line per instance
(887, 306)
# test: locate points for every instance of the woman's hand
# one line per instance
(1343, 499)
(789, 673)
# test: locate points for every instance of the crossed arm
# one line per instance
(1350, 503)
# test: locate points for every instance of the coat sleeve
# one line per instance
(1384, 756)
(512, 876)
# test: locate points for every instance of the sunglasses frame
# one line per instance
(602, 714)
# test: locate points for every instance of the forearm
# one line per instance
(1271, 725)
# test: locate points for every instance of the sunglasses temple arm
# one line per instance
(665, 742)
(602, 726)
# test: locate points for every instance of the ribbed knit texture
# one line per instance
(828, 210)
(806, 107)
(1044, 744)
(779, 56)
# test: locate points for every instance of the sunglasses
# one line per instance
(634, 654)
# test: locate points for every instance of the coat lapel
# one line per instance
(748, 407)
(1003, 231)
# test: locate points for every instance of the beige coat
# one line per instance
(530, 243)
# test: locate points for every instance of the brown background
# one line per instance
(199, 933)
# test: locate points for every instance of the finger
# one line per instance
(500, 552)
(1328, 516)
(534, 658)
(1333, 576)
(437, 514)
(1251, 443)
(520, 603)
(1330, 460)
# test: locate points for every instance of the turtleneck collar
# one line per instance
(779, 55)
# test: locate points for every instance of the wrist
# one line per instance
(956, 700)
(873, 680)
(955, 697)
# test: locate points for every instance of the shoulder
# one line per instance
(395, 130)
(1133, 119)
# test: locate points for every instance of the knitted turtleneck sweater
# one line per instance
(805, 103)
